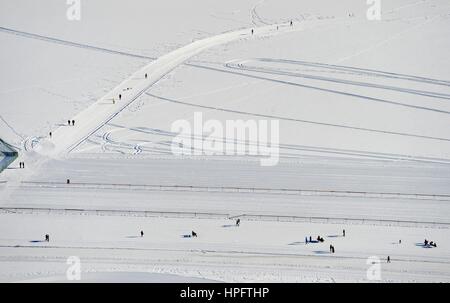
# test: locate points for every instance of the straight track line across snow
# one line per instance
(203, 251)
(224, 216)
(236, 189)
(71, 43)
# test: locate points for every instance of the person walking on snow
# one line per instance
(238, 222)
(343, 232)
(142, 233)
(388, 259)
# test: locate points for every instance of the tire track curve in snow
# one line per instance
(89, 121)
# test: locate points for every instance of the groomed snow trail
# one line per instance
(67, 138)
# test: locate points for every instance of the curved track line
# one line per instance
(66, 139)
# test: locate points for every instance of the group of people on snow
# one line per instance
(427, 243)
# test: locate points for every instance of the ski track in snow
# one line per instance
(344, 126)
(66, 139)
(95, 117)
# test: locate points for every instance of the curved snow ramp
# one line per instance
(66, 139)
(7, 155)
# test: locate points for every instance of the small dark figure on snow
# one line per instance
(68, 122)
(145, 76)
(142, 233)
(343, 232)
(238, 222)
(292, 23)
(310, 239)
(68, 181)
(425, 242)
(120, 97)
(252, 31)
(332, 249)
(400, 241)
(50, 134)
(47, 238)
(194, 234)
(306, 240)
(388, 259)
(73, 122)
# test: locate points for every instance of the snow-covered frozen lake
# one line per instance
(364, 140)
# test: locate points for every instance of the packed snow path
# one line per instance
(67, 138)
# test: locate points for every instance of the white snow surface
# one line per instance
(364, 140)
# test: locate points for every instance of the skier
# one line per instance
(306, 240)
(50, 134)
(292, 23)
(142, 233)
(73, 122)
(238, 222)
(400, 241)
(68, 181)
(68, 122)
(252, 31)
(23, 164)
(120, 97)
(388, 259)
(425, 242)
(47, 238)
(145, 76)
(194, 234)
(310, 239)
(343, 232)
(331, 248)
